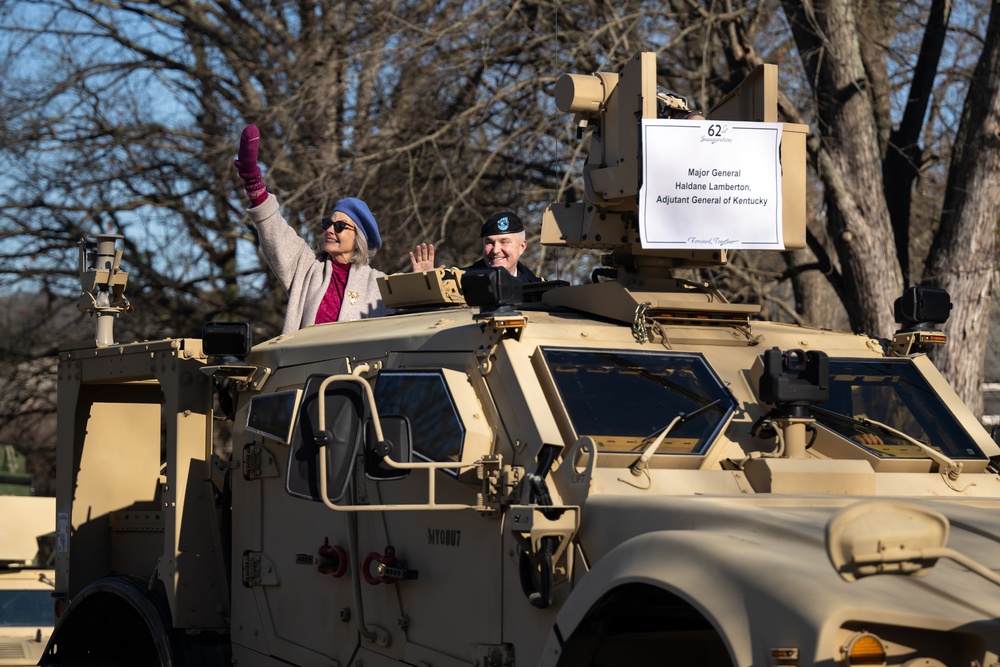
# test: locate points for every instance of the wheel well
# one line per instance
(119, 621)
(639, 624)
(106, 626)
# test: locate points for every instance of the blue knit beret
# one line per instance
(359, 212)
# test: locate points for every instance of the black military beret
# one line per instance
(502, 222)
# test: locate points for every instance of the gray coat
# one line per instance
(305, 273)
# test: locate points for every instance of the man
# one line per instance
(504, 242)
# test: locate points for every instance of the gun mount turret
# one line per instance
(631, 204)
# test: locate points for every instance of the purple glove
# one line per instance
(246, 166)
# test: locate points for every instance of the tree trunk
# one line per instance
(848, 160)
(905, 155)
(963, 257)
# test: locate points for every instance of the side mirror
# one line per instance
(885, 538)
(344, 412)
(396, 444)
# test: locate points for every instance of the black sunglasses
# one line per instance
(338, 225)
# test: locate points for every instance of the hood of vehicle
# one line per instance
(764, 554)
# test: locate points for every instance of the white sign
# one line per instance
(710, 184)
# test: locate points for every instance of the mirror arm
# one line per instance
(929, 554)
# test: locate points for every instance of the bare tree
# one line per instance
(123, 117)
(868, 169)
(436, 112)
(28, 322)
(963, 258)
(848, 159)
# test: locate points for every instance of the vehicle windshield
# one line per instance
(26, 608)
(624, 399)
(891, 391)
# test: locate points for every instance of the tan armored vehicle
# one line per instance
(627, 472)
(27, 610)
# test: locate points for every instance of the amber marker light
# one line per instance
(933, 338)
(784, 657)
(864, 649)
(509, 323)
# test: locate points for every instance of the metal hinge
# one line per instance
(258, 462)
(498, 480)
(258, 570)
(493, 655)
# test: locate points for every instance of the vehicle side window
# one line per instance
(423, 397)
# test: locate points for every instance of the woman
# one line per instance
(333, 285)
